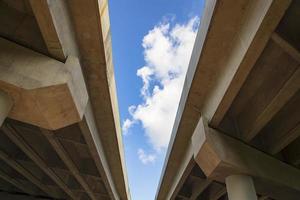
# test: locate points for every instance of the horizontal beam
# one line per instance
(97, 194)
(60, 169)
(38, 85)
(289, 89)
(279, 143)
(76, 143)
(26, 148)
(286, 46)
(221, 155)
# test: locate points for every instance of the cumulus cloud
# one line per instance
(146, 158)
(167, 51)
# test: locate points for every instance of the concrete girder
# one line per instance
(44, 91)
(56, 27)
(220, 156)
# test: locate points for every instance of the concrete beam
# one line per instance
(27, 149)
(250, 37)
(45, 92)
(92, 137)
(286, 46)
(250, 127)
(92, 16)
(219, 156)
(56, 27)
(187, 116)
(16, 183)
(18, 25)
(60, 150)
(185, 169)
(45, 21)
(24, 172)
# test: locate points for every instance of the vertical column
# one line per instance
(5, 106)
(240, 187)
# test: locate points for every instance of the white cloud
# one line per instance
(127, 125)
(146, 158)
(167, 51)
(144, 73)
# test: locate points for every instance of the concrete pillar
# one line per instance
(5, 106)
(240, 187)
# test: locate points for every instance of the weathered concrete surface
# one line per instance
(240, 187)
(45, 92)
(221, 60)
(220, 156)
(93, 17)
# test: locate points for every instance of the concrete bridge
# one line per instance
(60, 136)
(236, 133)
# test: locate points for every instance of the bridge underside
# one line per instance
(239, 112)
(60, 135)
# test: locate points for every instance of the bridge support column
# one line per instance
(240, 187)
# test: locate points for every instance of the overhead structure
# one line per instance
(60, 135)
(237, 130)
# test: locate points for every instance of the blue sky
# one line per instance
(152, 41)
